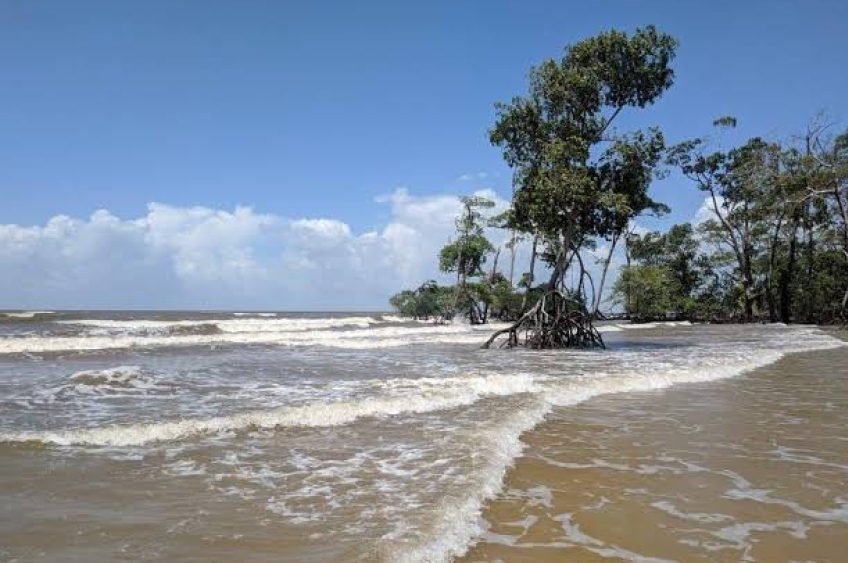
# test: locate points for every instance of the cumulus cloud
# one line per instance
(198, 257)
(706, 212)
(202, 258)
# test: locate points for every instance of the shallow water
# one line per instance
(747, 469)
(248, 437)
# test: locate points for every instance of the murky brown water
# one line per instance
(241, 437)
(753, 468)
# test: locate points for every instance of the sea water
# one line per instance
(299, 437)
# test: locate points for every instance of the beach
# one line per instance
(753, 468)
(365, 437)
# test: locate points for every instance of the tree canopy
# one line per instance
(775, 246)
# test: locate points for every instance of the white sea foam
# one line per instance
(427, 397)
(120, 381)
(26, 314)
(671, 509)
(619, 327)
(608, 328)
(121, 376)
(457, 521)
(378, 337)
(738, 535)
(399, 319)
(460, 522)
(254, 314)
(359, 332)
(744, 491)
(575, 536)
(245, 323)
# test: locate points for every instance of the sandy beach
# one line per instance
(747, 469)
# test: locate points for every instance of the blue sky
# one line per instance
(315, 110)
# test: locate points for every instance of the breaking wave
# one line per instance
(421, 396)
(237, 325)
(350, 332)
(122, 376)
(27, 316)
(205, 334)
(117, 382)
(202, 328)
(455, 521)
(459, 520)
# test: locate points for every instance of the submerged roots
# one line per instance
(556, 321)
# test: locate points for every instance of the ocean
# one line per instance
(244, 436)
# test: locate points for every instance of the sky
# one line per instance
(309, 155)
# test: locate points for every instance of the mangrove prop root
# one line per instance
(555, 321)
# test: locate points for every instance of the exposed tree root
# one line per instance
(556, 321)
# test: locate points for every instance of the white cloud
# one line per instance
(469, 176)
(706, 211)
(198, 257)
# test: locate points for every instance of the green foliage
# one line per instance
(825, 290)
(831, 285)
(649, 292)
(677, 251)
(466, 255)
(506, 301)
(726, 121)
(564, 195)
(470, 298)
(741, 183)
(478, 301)
(776, 248)
(781, 218)
(429, 301)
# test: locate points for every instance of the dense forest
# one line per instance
(773, 249)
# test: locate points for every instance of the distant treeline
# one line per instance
(773, 248)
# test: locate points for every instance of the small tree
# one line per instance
(736, 182)
(828, 185)
(566, 194)
(467, 254)
(429, 301)
(650, 291)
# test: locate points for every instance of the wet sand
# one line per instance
(753, 468)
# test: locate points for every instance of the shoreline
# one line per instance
(571, 492)
(394, 466)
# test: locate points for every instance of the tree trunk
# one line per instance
(787, 275)
(557, 320)
(809, 304)
(532, 274)
(627, 292)
(494, 267)
(749, 301)
(512, 258)
(459, 279)
(561, 264)
(748, 288)
(772, 305)
(599, 296)
(843, 212)
(770, 297)
(844, 312)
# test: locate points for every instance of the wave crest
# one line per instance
(121, 376)
(427, 396)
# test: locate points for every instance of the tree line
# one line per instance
(775, 248)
